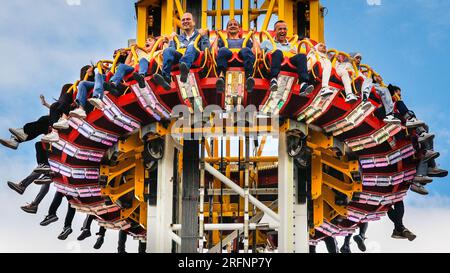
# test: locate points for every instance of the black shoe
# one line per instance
(140, 79)
(404, 234)
(16, 187)
(250, 84)
(360, 241)
(436, 172)
(99, 242)
(273, 85)
(111, 87)
(48, 220)
(160, 80)
(31, 208)
(65, 233)
(345, 249)
(418, 188)
(220, 85)
(184, 72)
(42, 168)
(84, 234)
(306, 89)
(121, 251)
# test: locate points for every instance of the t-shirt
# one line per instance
(285, 47)
(235, 43)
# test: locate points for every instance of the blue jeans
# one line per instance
(298, 61)
(245, 54)
(85, 86)
(122, 70)
(171, 57)
(143, 66)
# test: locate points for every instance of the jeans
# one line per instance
(171, 57)
(121, 244)
(57, 109)
(386, 98)
(298, 61)
(121, 72)
(396, 215)
(143, 66)
(245, 54)
(85, 86)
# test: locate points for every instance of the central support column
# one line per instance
(191, 176)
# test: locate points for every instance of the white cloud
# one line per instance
(374, 2)
(73, 2)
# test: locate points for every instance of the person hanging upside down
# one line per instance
(245, 54)
(283, 46)
(171, 56)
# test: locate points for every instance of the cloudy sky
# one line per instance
(45, 42)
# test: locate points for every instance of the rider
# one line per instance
(171, 56)
(283, 46)
(225, 54)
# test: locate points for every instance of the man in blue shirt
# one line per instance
(245, 54)
(171, 56)
(298, 60)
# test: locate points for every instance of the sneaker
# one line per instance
(62, 124)
(99, 242)
(351, 98)
(97, 103)
(422, 179)
(140, 79)
(249, 84)
(50, 138)
(48, 220)
(325, 91)
(84, 234)
(65, 233)
(46, 179)
(360, 241)
(418, 188)
(111, 87)
(365, 97)
(345, 249)
(429, 155)
(306, 89)
(397, 234)
(160, 80)
(78, 113)
(184, 72)
(274, 85)
(19, 134)
(42, 168)
(31, 208)
(10, 143)
(408, 235)
(425, 136)
(16, 187)
(414, 123)
(220, 85)
(436, 172)
(391, 119)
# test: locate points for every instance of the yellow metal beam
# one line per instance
(231, 9)
(204, 14)
(142, 24)
(179, 8)
(219, 14)
(268, 15)
(245, 15)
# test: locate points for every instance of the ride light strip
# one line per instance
(91, 133)
(150, 103)
(388, 180)
(333, 230)
(392, 158)
(73, 151)
(354, 119)
(78, 192)
(76, 173)
(113, 113)
(380, 136)
(378, 199)
(359, 216)
(278, 98)
(118, 225)
(98, 209)
(317, 107)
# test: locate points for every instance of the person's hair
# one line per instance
(393, 88)
(83, 71)
(278, 22)
(66, 88)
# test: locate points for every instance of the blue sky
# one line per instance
(44, 43)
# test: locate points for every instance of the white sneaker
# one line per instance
(10, 143)
(78, 113)
(62, 124)
(49, 138)
(351, 98)
(413, 123)
(391, 119)
(425, 136)
(325, 91)
(19, 134)
(97, 103)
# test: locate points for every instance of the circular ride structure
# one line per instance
(165, 173)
